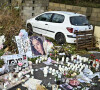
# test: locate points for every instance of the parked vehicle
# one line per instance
(59, 25)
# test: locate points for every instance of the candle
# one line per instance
(63, 67)
(59, 67)
(75, 69)
(66, 68)
(39, 61)
(57, 60)
(68, 64)
(80, 70)
(81, 59)
(45, 57)
(57, 72)
(78, 57)
(63, 59)
(72, 58)
(33, 77)
(97, 64)
(32, 71)
(62, 70)
(83, 65)
(45, 72)
(10, 76)
(87, 59)
(42, 58)
(50, 70)
(67, 59)
(36, 61)
(59, 75)
(80, 64)
(19, 75)
(53, 72)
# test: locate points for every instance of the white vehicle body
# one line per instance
(50, 27)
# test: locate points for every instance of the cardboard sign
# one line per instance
(23, 45)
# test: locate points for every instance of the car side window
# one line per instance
(57, 18)
(44, 17)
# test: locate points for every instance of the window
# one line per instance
(44, 17)
(79, 20)
(23, 1)
(10, 1)
(32, 8)
(57, 18)
(33, 1)
(32, 14)
(46, 7)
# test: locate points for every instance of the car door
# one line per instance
(41, 23)
(55, 25)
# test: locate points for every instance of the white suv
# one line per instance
(59, 25)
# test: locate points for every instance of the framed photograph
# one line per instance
(37, 45)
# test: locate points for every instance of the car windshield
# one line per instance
(79, 20)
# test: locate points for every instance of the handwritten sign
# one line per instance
(23, 45)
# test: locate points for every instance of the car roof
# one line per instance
(65, 13)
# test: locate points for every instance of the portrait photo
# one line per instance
(37, 45)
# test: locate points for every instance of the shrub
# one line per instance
(10, 25)
(1, 63)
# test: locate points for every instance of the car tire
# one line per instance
(60, 38)
(29, 29)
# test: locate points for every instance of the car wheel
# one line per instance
(60, 38)
(29, 29)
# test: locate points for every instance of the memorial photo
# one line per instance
(37, 46)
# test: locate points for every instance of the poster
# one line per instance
(38, 45)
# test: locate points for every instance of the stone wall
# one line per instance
(93, 14)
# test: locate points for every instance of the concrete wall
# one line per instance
(31, 8)
(93, 14)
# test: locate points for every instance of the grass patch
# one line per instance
(71, 48)
(1, 52)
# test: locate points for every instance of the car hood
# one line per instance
(30, 19)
